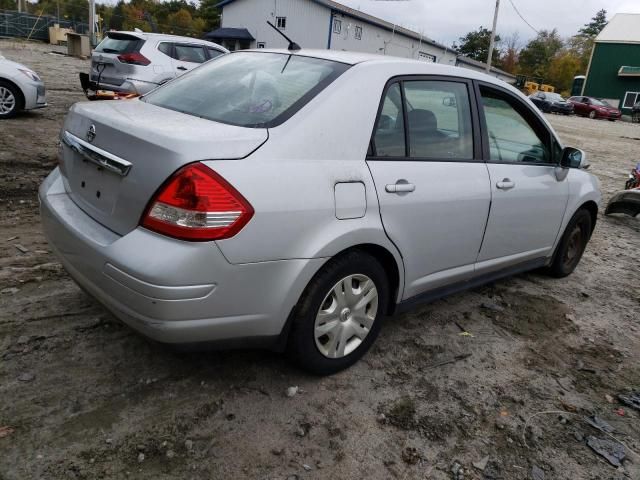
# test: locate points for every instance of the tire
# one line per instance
(10, 100)
(349, 336)
(572, 245)
(593, 115)
(635, 118)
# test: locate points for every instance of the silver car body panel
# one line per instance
(33, 91)
(177, 291)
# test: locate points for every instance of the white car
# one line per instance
(138, 62)
(20, 89)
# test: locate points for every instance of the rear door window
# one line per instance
(213, 52)
(166, 48)
(439, 120)
(189, 53)
(120, 44)
(389, 139)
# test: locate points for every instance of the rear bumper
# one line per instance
(169, 290)
(129, 85)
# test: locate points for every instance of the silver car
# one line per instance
(138, 62)
(292, 200)
(20, 89)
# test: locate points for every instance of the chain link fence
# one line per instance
(15, 24)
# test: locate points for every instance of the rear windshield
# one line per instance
(115, 43)
(248, 89)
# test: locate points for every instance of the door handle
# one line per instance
(400, 188)
(183, 68)
(505, 184)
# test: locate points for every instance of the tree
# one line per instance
(510, 53)
(475, 45)
(536, 57)
(210, 14)
(597, 24)
(562, 70)
(116, 21)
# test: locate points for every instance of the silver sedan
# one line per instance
(20, 89)
(294, 199)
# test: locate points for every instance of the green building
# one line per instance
(614, 71)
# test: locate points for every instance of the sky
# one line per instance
(447, 20)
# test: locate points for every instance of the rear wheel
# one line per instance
(636, 117)
(572, 245)
(339, 316)
(593, 114)
(10, 100)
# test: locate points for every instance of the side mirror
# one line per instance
(574, 158)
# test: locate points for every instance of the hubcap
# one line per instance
(7, 100)
(574, 245)
(346, 316)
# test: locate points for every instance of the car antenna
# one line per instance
(293, 46)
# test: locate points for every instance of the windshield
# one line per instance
(119, 43)
(248, 89)
(554, 97)
(599, 103)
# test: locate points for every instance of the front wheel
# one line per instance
(636, 117)
(10, 100)
(593, 114)
(339, 315)
(572, 245)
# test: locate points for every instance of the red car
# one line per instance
(594, 108)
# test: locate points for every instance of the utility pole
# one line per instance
(92, 22)
(19, 6)
(492, 43)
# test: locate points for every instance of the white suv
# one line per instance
(138, 62)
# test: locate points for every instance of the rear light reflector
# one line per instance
(197, 204)
(135, 58)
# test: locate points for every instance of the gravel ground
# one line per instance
(84, 397)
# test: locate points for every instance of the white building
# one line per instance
(327, 24)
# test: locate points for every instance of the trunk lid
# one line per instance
(116, 154)
(106, 68)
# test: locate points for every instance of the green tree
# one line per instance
(116, 21)
(475, 45)
(535, 58)
(210, 14)
(595, 26)
(562, 70)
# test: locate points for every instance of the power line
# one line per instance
(523, 19)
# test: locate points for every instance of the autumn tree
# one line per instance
(475, 45)
(536, 57)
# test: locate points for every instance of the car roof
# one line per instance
(419, 67)
(164, 36)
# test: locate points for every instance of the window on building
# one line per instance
(358, 33)
(337, 26)
(281, 23)
(630, 99)
(262, 45)
(426, 57)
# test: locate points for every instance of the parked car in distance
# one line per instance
(594, 108)
(229, 206)
(138, 62)
(551, 103)
(20, 89)
(635, 113)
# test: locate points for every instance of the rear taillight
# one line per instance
(135, 58)
(197, 204)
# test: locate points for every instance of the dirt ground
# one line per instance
(83, 397)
